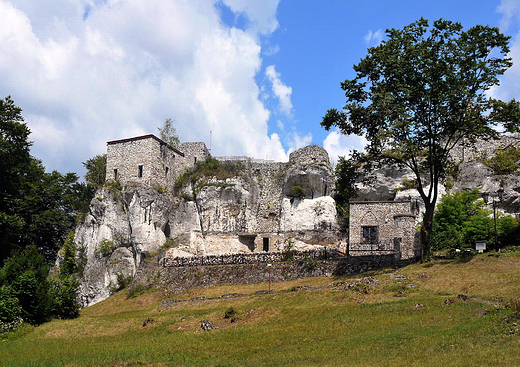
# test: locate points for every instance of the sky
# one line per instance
(247, 77)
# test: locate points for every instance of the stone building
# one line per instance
(147, 160)
(382, 225)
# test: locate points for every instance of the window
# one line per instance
(195, 160)
(166, 172)
(369, 234)
(115, 173)
(266, 244)
(140, 173)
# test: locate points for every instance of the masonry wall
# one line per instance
(154, 157)
(370, 213)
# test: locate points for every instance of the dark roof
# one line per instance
(149, 136)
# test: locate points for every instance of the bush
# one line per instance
(461, 219)
(297, 192)
(505, 161)
(27, 292)
(64, 292)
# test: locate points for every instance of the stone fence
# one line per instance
(273, 257)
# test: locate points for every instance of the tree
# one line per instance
(168, 133)
(36, 207)
(461, 219)
(419, 93)
(96, 170)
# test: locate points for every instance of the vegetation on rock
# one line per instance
(419, 93)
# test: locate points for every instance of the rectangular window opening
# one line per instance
(266, 244)
(140, 174)
(369, 234)
(166, 173)
(115, 173)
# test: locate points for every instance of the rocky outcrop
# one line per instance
(254, 211)
(472, 173)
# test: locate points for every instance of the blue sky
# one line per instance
(258, 74)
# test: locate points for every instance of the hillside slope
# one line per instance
(392, 317)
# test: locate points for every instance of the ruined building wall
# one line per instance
(143, 160)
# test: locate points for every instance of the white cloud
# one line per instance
(280, 90)
(374, 38)
(339, 145)
(116, 69)
(509, 87)
(511, 13)
(261, 14)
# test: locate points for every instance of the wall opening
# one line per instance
(140, 171)
(115, 173)
(248, 240)
(167, 230)
(266, 244)
(369, 234)
(166, 172)
(195, 160)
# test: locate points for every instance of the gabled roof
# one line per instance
(149, 136)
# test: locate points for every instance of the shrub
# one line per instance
(105, 249)
(298, 192)
(64, 294)
(505, 162)
(231, 314)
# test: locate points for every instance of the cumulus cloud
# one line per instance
(280, 90)
(89, 72)
(339, 145)
(509, 87)
(510, 9)
(374, 38)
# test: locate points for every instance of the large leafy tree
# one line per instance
(36, 207)
(421, 92)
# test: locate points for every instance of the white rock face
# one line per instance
(307, 214)
(236, 215)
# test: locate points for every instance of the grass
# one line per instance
(401, 318)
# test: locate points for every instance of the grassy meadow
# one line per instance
(397, 317)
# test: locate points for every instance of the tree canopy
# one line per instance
(422, 91)
(168, 133)
(36, 207)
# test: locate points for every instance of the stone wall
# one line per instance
(144, 160)
(180, 278)
(161, 164)
(193, 152)
(392, 219)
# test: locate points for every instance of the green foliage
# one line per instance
(68, 251)
(461, 219)
(168, 133)
(505, 162)
(64, 294)
(209, 168)
(26, 274)
(105, 248)
(35, 207)
(96, 170)
(288, 251)
(298, 192)
(231, 314)
(10, 310)
(421, 91)
(122, 282)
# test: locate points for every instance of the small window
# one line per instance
(115, 173)
(166, 172)
(266, 244)
(369, 234)
(140, 173)
(195, 160)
